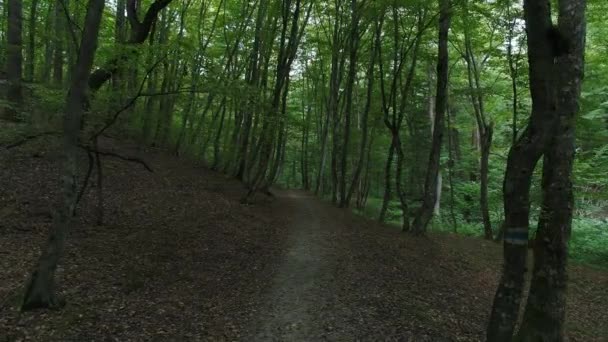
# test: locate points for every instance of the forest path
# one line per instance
(302, 277)
(341, 277)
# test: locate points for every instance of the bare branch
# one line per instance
(27, 139)
(131, 102)
(91, 149)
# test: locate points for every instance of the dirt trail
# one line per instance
(289, 313)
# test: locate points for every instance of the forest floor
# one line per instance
(179, 258)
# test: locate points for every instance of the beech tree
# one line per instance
(40, 290)
(555, 57)
(424, 214)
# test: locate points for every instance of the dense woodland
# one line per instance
(451, 115)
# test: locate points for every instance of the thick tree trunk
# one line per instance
(521, 162)
(425, 213)
(14, 61)
(546, 306)
(40, 291)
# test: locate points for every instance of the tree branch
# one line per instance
(131, 102)
(91, 149)
(27, 139)
(140, 31)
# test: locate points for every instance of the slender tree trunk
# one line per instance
(307, 114)
(350, 83)
(40, 290)
(322, 132)
(14, 60)
(31, 42)
(425, 213)
(484, 130)
(451, 163)
(387, 183)
(218, 135)
(323, 157)
(59, 29)
(253, 79)
(513, 72)
(364, 119)
(439, 179)
(48, 44)
(486, 143)
(70, 44)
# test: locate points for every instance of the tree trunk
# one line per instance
(486, 144)
(31, 43)
(451, 163)
(350, 83)
(218, 135)
(521, 162)
(14, 60)
(48, 44)
(546, 306)
(425, 213)
(364, 119)
(252, 79)
(40, 291)
(387, 183)
(484, 131)
(59, 29)
(304, 158)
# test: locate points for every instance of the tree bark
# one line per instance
(40, 290)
